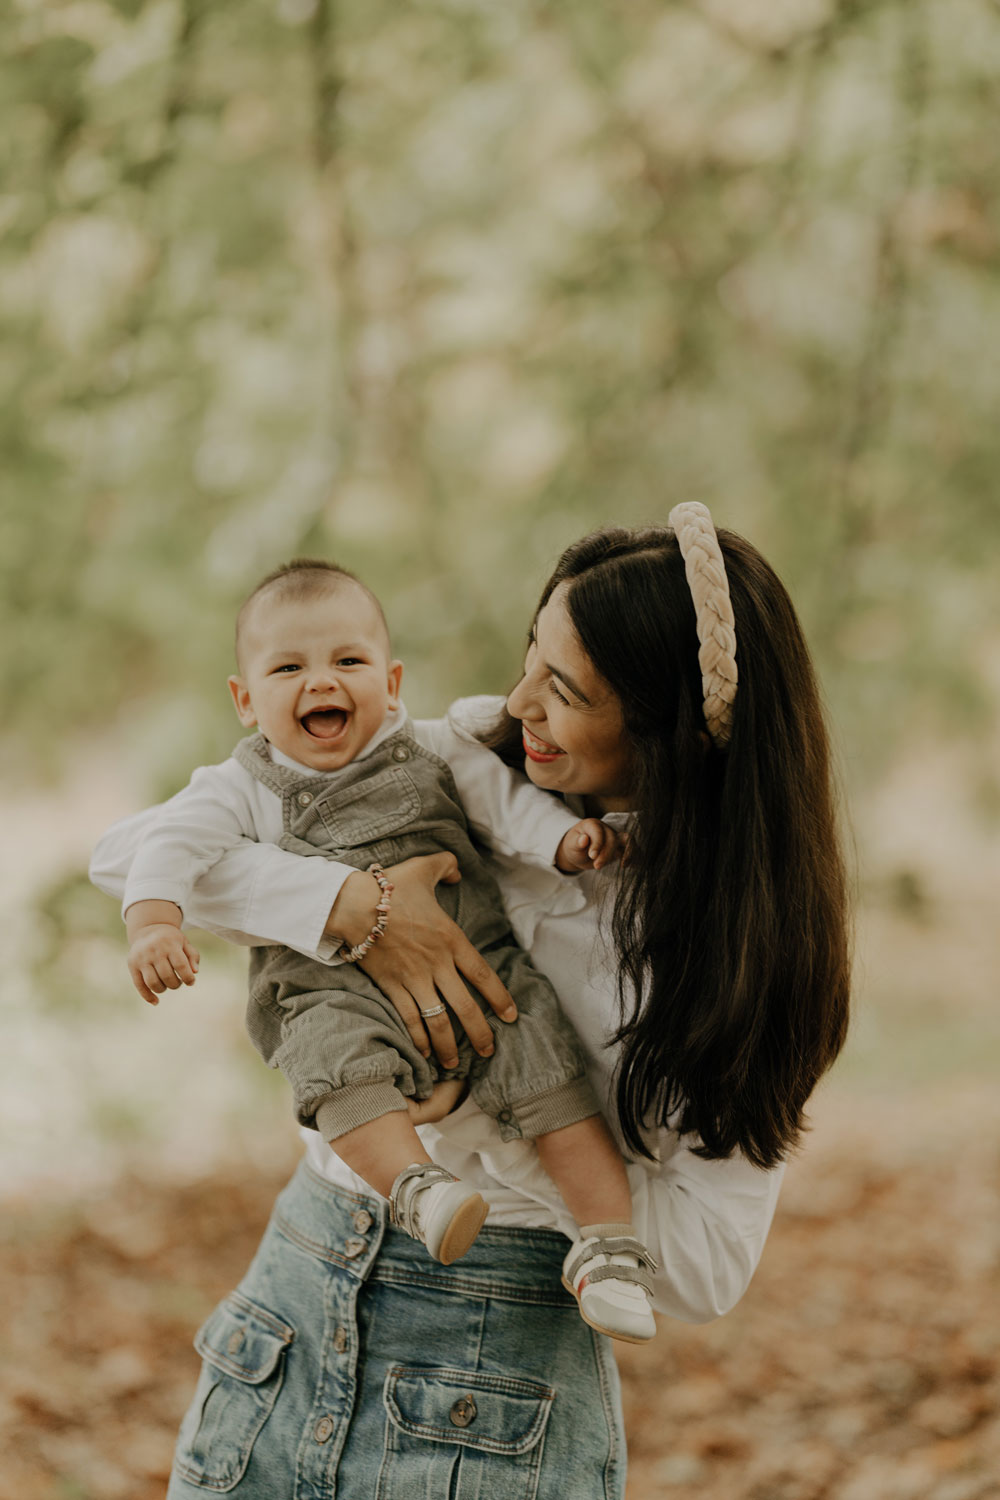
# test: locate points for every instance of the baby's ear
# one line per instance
(395, 678)
(241, 698)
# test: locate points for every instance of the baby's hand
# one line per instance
(589, 845)
(161, 958)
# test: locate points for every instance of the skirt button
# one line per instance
(463, 1412)
(323, 1431)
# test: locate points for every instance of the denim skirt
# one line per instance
(349, 1364)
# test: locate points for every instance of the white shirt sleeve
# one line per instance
(190, 834)
(706, 1223)
(506, 812)
(256, 893)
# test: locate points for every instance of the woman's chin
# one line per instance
(544, 773)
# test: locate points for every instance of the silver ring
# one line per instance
(437, 1010)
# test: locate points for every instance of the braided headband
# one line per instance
(706, 576)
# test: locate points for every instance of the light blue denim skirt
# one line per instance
(349, 1364)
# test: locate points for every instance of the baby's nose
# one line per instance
(321, 679)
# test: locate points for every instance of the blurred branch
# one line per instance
(148, 171)
(871, 405)
(341, 242)
(176, 94)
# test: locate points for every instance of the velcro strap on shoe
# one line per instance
(634, 1275)
(623, 1244)
(404, 1192)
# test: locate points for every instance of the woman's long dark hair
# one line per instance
(731, 916)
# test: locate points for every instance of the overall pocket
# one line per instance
(241, 1346)
(371, 809)
(463, 1435)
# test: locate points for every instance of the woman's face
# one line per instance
(571, 719)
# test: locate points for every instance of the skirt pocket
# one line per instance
(242, 1347)
(453, 1433)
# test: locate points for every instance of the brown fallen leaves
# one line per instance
(863, 1364)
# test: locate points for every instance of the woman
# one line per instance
(349, 1360)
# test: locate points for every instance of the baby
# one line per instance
(336, 771)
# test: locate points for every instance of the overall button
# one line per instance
(505, 1117)
(363, 1221)
(304, 799)
(401, 753)
(236, 1341)
(324, 1429)
(463, 1412)
(340, 1340)
(354, 1248)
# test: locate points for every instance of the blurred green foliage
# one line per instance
(435, 288)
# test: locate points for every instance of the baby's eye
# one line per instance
(350, 661)
(287, 666)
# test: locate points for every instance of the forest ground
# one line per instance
(862, 1364)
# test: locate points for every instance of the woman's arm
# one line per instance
(706, 1223)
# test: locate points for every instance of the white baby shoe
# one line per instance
(607, 1272)
(437, 1209)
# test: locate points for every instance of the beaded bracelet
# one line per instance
(356, 954)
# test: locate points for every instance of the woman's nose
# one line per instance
(520, 700)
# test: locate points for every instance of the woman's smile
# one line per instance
(538, 749)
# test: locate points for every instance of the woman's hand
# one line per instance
(446, 1096)
(421, 959)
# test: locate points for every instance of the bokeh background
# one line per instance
(433, 289)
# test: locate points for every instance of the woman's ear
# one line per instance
(241, 698)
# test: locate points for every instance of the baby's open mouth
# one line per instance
(325, 723)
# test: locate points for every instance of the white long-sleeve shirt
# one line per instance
(705, 1221)
(224, 804)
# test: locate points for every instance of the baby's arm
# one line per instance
(190, 834)
(256, 894)
(589, 845)
(159, 954)
(506, 812)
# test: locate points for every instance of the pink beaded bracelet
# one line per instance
(355, 954)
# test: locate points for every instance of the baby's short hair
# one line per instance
(302, 578)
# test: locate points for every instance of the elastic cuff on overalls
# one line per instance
(356, 1104)
(566, 1104)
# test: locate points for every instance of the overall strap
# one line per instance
(254, 756)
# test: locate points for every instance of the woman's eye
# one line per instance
(553, 689)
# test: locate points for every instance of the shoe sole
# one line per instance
(461, 1233)
(623, 1338)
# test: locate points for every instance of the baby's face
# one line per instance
(317, 679)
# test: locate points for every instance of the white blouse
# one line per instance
(704, 1221)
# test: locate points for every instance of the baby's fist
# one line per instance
(589, 845)
(161, 958)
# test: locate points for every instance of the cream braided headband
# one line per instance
(706, 576)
